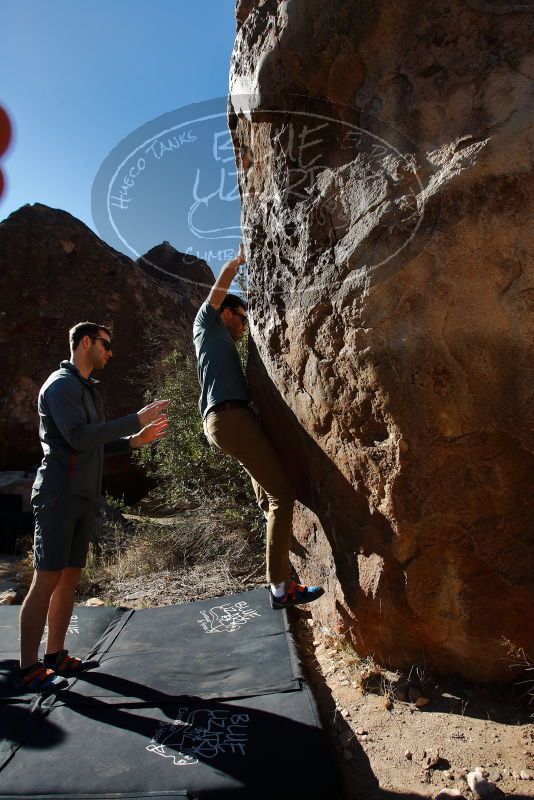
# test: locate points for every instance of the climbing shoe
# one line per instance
(67, 665)
(296, 595)
(41, 678)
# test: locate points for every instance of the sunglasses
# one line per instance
(105, 342)
(244, 318)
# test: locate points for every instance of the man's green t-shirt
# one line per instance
(220, 373)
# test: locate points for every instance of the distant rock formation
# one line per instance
(390, 254)
(189, 276)
(54, 272)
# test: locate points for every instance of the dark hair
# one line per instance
(233, 301)
(82, 329)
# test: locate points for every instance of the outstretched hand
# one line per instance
(150, 433)
(151, 412)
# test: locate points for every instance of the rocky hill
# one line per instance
(188, 276)
(385, 156)
(54, 272)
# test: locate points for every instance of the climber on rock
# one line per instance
(230, 426)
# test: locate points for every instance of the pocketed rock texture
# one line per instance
(385, 155)
(55, 272)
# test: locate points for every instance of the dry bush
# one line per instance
(206, 550)
(25, 568)
(523, 666)
(371, 677)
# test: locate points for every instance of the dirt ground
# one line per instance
(388, 748)
(391, 748)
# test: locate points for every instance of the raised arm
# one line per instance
(226, 276)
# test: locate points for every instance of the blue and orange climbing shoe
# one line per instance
(296, 595)
(41, 678)
(66, 665)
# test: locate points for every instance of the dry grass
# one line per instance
(204, 553)
(25, 568)
(364, 673)
(189, 555)
(522, 665)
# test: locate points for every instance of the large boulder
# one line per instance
(389, 231)
(55, 272)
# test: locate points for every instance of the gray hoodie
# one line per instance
(74, 435)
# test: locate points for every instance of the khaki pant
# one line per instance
(236, 433)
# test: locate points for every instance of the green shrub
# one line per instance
(190, 472)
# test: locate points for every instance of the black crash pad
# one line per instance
(85, 628)
(88, 628)
(201, 700)
(228, 647)
(237, 749)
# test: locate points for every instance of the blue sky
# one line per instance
(77, 77)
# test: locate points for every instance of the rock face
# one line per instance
(55, 272)
(391, 278)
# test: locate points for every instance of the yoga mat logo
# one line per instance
(199, 735)
(227, 618)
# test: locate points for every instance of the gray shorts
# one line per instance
(64, 527)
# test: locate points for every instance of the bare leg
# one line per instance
(60, 608)
(33, 614)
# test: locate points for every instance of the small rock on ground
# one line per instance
(421, 702)
(478, 783)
